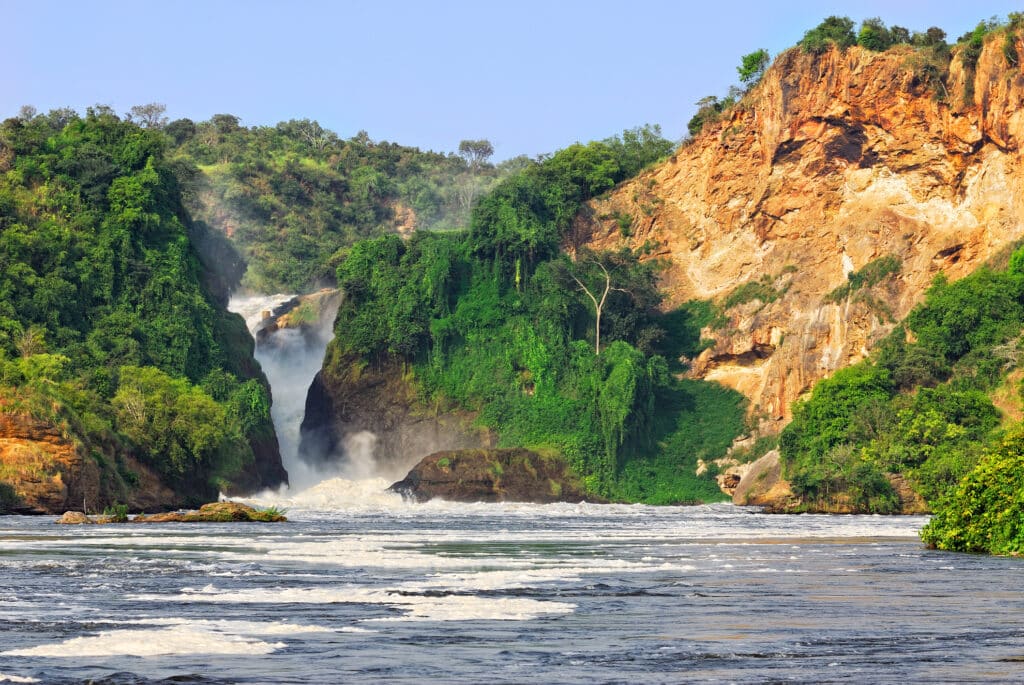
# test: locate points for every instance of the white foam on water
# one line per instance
(180, 639)
(416, 607)
(8, 678)
(247, 628)
(471, 608)
(333, 494)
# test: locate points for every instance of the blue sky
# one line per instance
(530, 76)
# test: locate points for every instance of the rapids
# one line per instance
(360, 586)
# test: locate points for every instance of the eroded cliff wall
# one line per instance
(831, 162)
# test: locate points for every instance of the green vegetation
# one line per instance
(752, 67)
(985, 511)
(870, 275)
(116, 513)
(294, 196)
(290, 196)
(553, 354)
(110, 328)
(763, 289)
(919, 408)
(837, 31)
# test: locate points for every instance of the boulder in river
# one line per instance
(492, 475)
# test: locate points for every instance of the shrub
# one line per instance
(833, 30)
(985, 512)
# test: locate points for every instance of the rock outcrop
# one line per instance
(214, 512)
(494, 475)
(311, 315)
(44, 470)
(762, 484)
(372, 414)
(832, 162)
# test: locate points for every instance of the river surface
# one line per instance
(360, 587)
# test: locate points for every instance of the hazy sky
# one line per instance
(530, 76)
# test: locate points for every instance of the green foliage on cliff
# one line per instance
(918, 408)
(985, 511)
(833, 30)
(496, 321)
(107, 318)
(871, 274)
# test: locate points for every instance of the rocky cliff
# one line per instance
(44, 470)
(369, 419)
(832, 163)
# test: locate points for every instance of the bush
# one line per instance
(833, 30)
(873, 35)
(985, 512)
(871, 274)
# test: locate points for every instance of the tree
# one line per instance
(899, 35)
(181, 130)
(708, 110)
(148, 116)
(934, 36)
(598, 270)
(32, 341)
(874, 35)
(752, 67)
(313, 133)
(834, 30)
(476, 152)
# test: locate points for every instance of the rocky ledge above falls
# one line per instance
(491, 475)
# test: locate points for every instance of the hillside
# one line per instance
(290, 197)
(122, 376)
(817, 211)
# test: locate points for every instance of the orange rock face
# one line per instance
(831, 162)
(45, 470)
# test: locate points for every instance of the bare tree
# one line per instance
(316, 135)
(32, 341)
(148, 116)
(598, 302)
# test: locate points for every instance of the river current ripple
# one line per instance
(361, 587)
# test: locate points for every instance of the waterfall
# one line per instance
(290, 358)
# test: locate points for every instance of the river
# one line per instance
(361, 587)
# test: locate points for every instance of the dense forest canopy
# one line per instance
(293, 196)
(109, 325)
(497, 320)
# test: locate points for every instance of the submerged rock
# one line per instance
(492, 475)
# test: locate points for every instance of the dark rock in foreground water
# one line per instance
(492, 475)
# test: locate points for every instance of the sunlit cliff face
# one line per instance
(832, 162)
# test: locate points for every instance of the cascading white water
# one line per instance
(290, 363)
